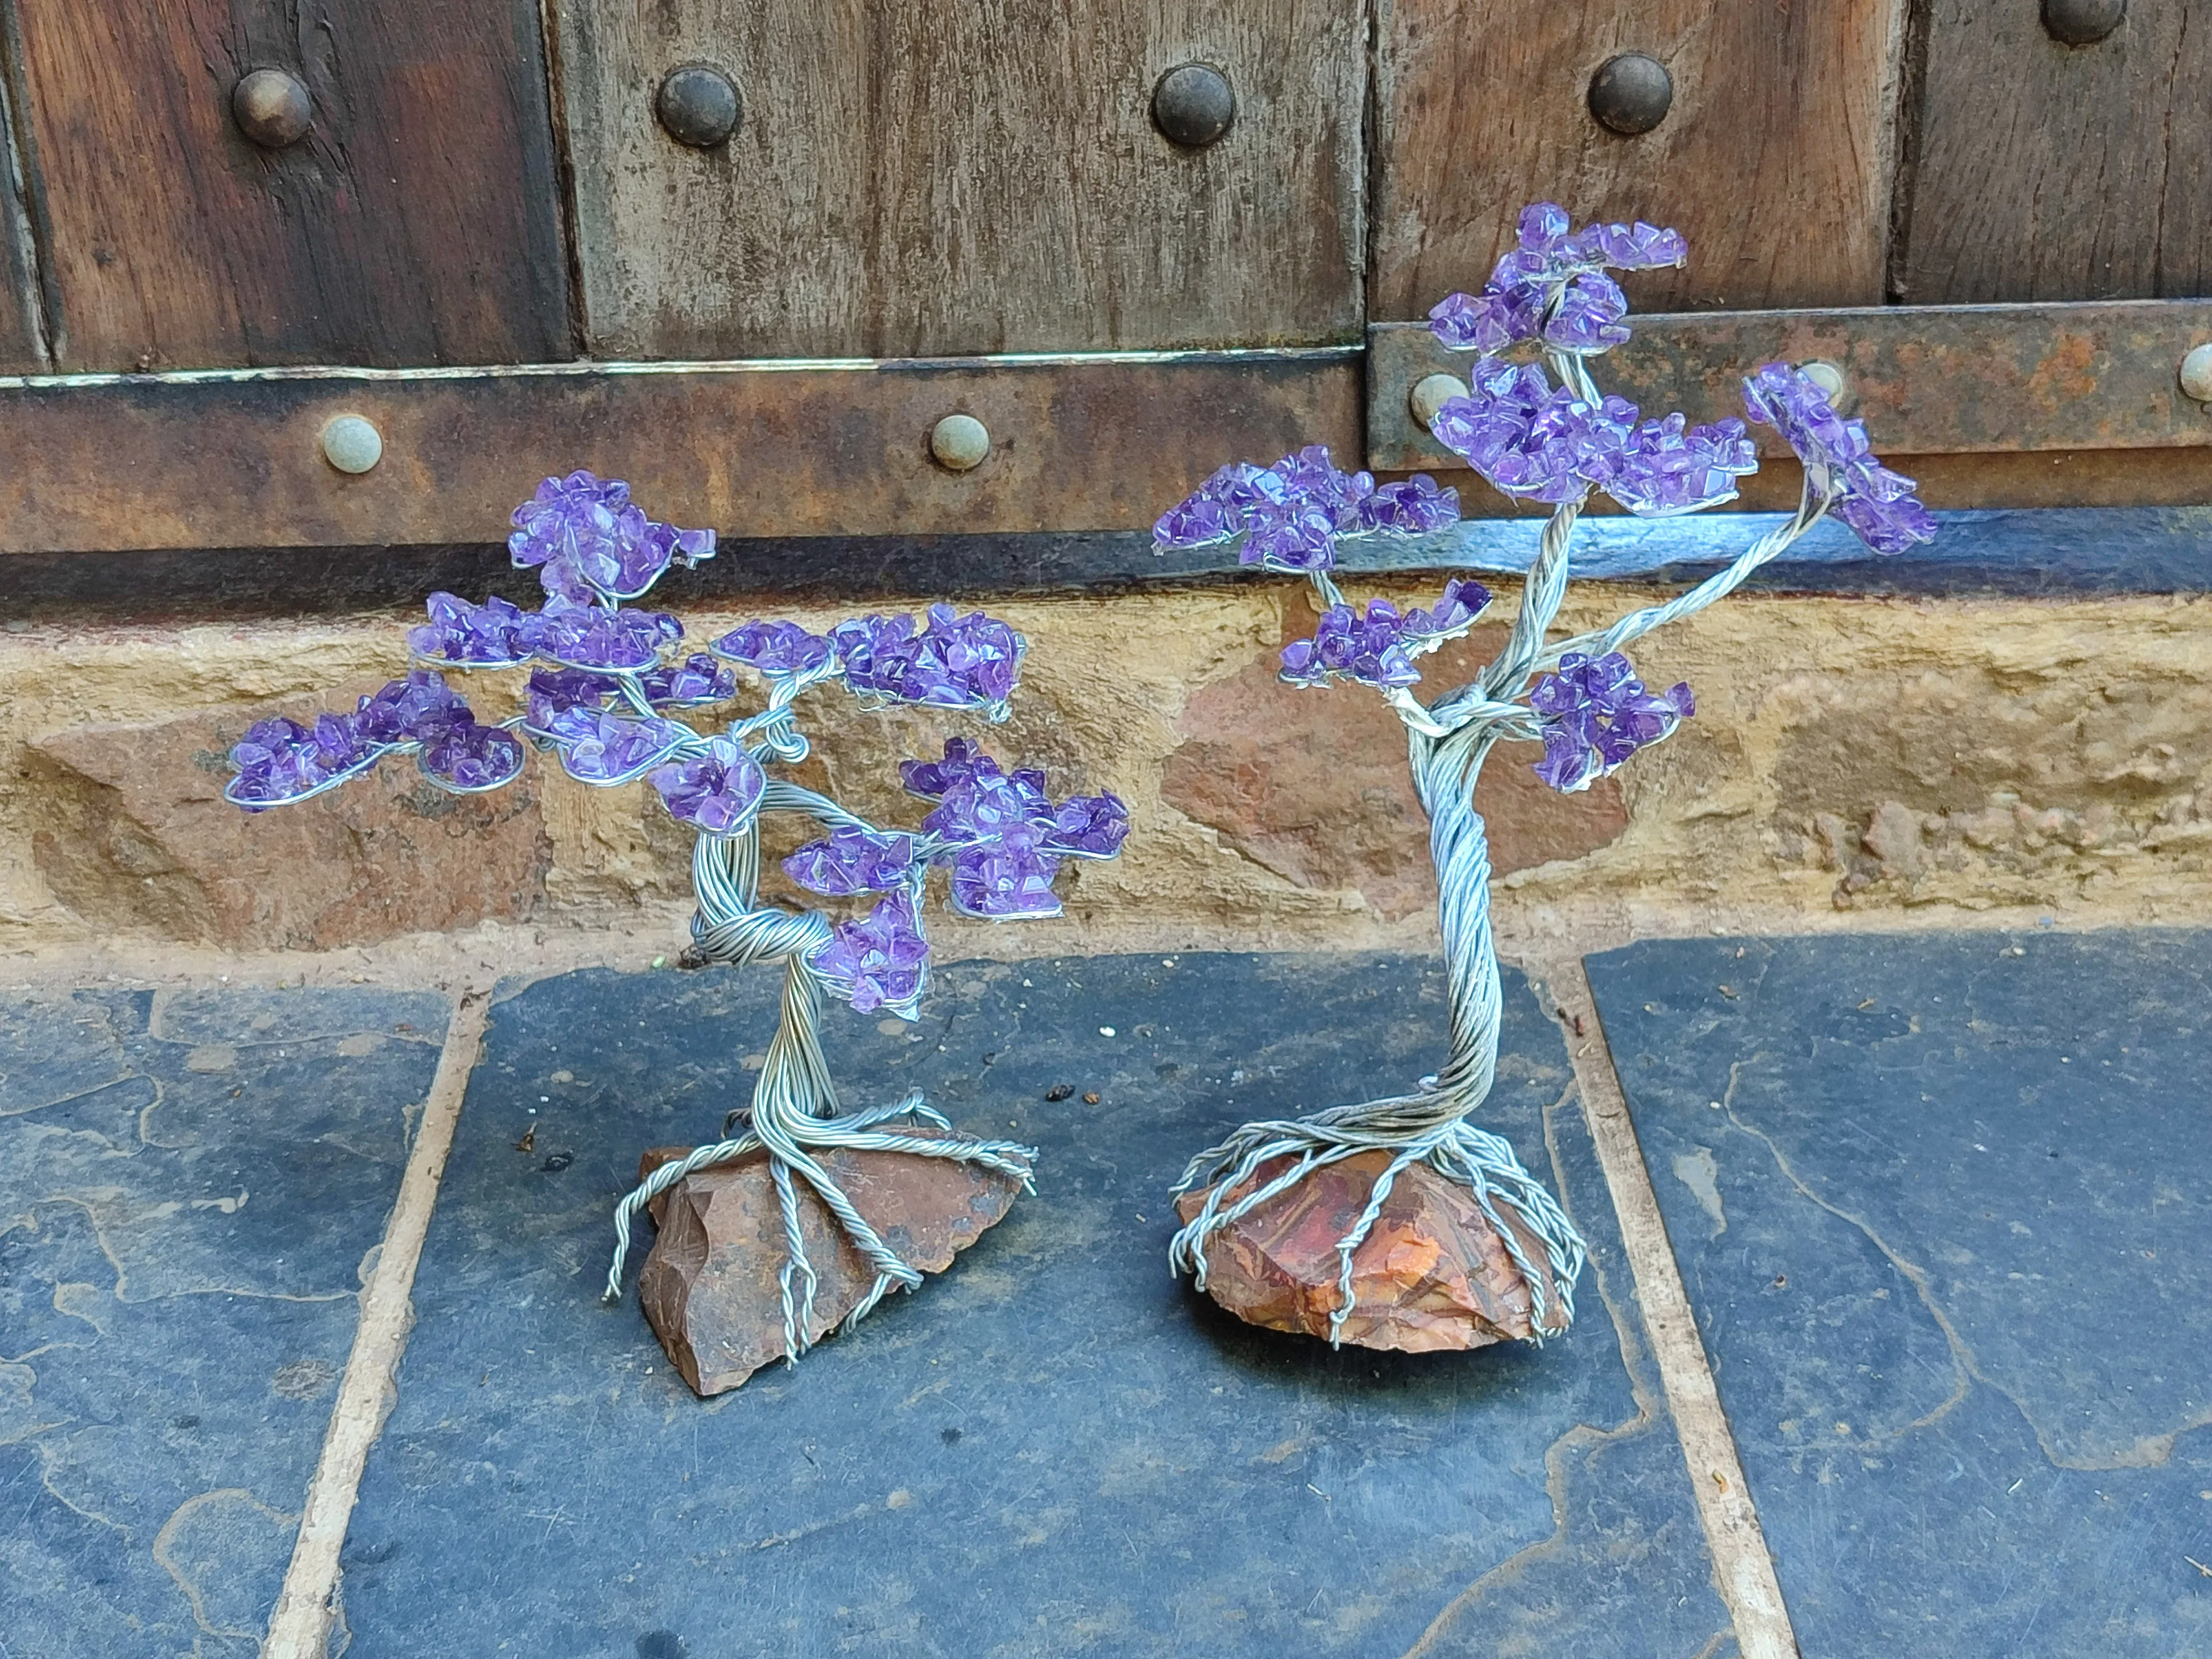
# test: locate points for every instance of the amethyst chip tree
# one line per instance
(1535, 426)
(603, 681)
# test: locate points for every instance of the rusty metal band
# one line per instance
(1932, 380)
(232, 458)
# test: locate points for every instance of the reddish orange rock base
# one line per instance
(1433, 1273)
(710, 1286)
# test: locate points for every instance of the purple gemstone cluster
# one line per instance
(1875, 501)
(1548, 443)
(1378, 648)
(881, 961)
(1552, 287)
(945, 661)
(587, 541)
(1292, 515)
(718, 791)
(1003, 835)
(782, 648)
(949, 661)
(1594, 714)
(1532, 438)
(851, 859)
(280, 761)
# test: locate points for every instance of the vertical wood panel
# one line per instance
(1774, 158)
(23, 304)
(925, 176)
(2049, 171)
(416, 223)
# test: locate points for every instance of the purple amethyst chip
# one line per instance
(719, 792)
(469, 758)
(1089, 826)
(851, 860)
(588, 540)
(950, 661)
(775, 648)
(609, 749)
(880, 961)
(1878, 504)
(1001, 883)
(280, 761)
(1594, 714)
(493, 634)
(588, 637)
(931, 779)
(411, 710)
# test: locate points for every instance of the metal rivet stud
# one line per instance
(1826, 376)
(698, 106)
(1631, 94)
(2082, 22)
(272, 109)
(959, 443)
(351, 444)
(1193, 105)
(2197, 372)
(1430, 393)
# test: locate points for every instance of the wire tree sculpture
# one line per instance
(605, 679)
(1538, 428)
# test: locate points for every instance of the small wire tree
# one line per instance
(605, 678)
(1538, 430)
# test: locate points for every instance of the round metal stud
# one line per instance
(698, 106)
(2082, 22)
(960, 442)
(1430, 393)
(1193, 105)
(352, 445)
(271, 107)
(1826, 376)
(2197, 372)
(1631, 94)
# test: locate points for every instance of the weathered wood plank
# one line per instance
(22, 302)
(757, 449)
(2050, 172)
(1774, 158)
(913, 178)
(416, 223)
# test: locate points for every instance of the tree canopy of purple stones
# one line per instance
(1550, 305)
(605, 681)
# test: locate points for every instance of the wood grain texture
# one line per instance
(22, 302)
(417, 222)
(915, 178)
(1774, 158)
(2048, 172)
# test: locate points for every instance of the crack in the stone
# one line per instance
(192, 1594)
(2149, 1451)
(122, 1276)
(1582, 1436)
(69, 1099)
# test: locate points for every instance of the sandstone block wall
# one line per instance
(1884, 757)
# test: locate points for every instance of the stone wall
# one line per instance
(1871, 755)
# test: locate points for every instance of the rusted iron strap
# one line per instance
(1927, 379)
(231, 458)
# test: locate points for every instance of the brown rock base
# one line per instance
(710, 1287)
(1433, 1273)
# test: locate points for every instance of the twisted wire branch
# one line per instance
(795, 1111)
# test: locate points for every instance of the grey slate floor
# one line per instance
(188, 1185)
(1948, 1233)
(1944, 1235)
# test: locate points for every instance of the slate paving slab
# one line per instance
(1051, 1449)
(189, 1183)
(1942, 1205)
